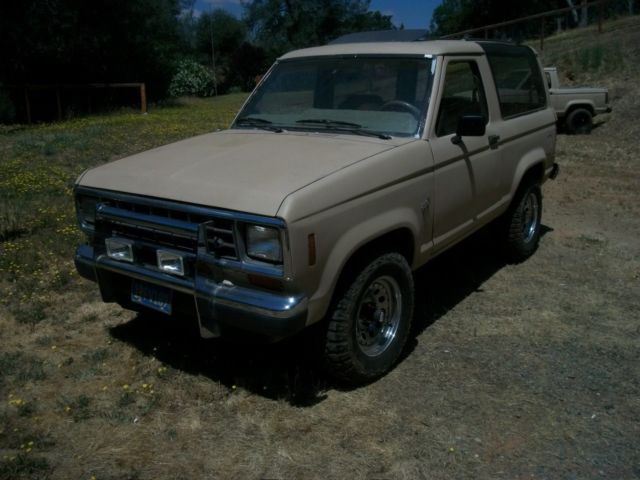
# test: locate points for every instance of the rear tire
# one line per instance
(370, 322)
(579, 121)
(523, 221)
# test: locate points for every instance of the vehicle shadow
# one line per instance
(291, 370)
(454, 275)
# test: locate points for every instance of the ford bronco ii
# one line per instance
(349, 166)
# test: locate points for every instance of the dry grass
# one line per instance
(526, 371)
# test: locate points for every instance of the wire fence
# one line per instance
(552, 22)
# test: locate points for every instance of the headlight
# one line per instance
(263, 243)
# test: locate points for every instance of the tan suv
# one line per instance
(348, 167)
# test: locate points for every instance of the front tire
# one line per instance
(579, 121)
(523, 222)
(370, 323)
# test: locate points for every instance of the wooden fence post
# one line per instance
(599, 13)
(27, 103)
(58, 102)
(143, 98)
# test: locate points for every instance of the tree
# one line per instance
(220, 38)
(456, 15)
(281, 25)
(75, 41)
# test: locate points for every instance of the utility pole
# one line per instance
(213, 55)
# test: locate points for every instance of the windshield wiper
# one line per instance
(341, 126)
(324, 121)
(259, 123)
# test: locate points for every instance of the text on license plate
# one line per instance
(152, 296)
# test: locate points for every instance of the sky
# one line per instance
(410, 13)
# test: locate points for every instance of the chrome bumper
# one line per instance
(217, 305)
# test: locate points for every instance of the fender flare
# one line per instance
(582, 103)
(357, 237)
(530, 160)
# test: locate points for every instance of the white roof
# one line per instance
(432, 47)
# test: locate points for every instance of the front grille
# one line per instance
(166, 239)
(220, 233)
(158, 211)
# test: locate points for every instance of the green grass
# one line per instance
(585, 53)
(38, 231)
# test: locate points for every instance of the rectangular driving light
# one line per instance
(119, 249)
(170, 262)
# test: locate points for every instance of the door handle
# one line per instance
(493, 141)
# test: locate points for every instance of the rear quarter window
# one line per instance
(518, 79)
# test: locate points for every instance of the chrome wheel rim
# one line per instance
(378, 316)
(530, 213)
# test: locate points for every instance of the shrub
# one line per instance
(191, 79)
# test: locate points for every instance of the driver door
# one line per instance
(467, 183)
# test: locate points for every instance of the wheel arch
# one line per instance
(530, 169)
(348, 256)
(580, 104)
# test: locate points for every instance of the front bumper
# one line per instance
(218, 307)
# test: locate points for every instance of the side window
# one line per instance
(548, 77)
(463, 94)
(508, 62)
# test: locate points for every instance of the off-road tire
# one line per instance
(523, 223)
(579, 121)
(346, 357)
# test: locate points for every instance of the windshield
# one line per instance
(365, 95)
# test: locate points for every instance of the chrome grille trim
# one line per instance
(159, 223)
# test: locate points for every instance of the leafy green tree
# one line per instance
(281, 25)
(225, 34)
(452, 16)
(248, 63)
(75, 41)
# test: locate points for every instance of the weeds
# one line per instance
(96, 356)
(30, 313)
(23, 367)
(24, 466)
(77, 408)
(12, 219)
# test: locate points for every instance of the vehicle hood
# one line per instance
(248, 171)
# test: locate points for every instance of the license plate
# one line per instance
(152, 296)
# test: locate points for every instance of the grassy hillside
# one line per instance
(586, 56)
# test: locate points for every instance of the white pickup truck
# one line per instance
(575, 106)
